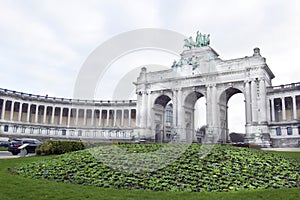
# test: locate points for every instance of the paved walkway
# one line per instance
(6, 154)
(282, 149)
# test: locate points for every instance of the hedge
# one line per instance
(56, 147)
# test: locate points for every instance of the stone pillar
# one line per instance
(294, 107)
(69, 116)
(143, 122)
(84, 117)
(52, 115)
(122, 118)
(107, 118)
(61, 115)
(115, 117)
(263, 101)
(92, 117)
(3, 109)
(12, 110)
(45, 114)
(76, 118)
(208, 106)
(254, 101)
(214, 105)
(28, 112)
(283, 109)
(129, 117)
(248, 102)
(149, 108)
(272, 110)
(36, 113)
(20, 112)
(180, 119)
(100, 117)
(175, 108)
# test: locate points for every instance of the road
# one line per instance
(6, 154)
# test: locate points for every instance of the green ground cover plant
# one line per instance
(13, 186)
(225, 168)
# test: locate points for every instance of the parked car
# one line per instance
(4, 141)
(14, 145)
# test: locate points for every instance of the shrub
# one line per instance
(56, 147)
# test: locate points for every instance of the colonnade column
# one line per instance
(52, 115)
(36, 113)
(122, 118)
(20, 112)
(107, 118)
(69, 116)
(28, 112)
(115, 117)
(3, 109)
(283, 109)
(45, 114)
(84, 117)
(92, 117)
(100, 117)
(272, 110)
(76, 118)
(254, 101)
(60, 115)
(294, 107)
(12, 110)
(129, 117)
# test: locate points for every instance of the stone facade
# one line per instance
(165, 105)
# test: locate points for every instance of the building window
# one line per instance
(289, 130)
(72, 132)
(39, 131)
(79, 132)
(23, 129)
(5, 128)
(87, 134)
(64, 132)
(47, 131)
(298, 130)
(169, 114)
(95, 133)
(15, 129)
(56, 132)
(31, 130)
(278, 131)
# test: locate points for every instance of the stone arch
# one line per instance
(224, 97)
(158, 114)
(189, 114)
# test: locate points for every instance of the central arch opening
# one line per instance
(232, 115)
(195, 116)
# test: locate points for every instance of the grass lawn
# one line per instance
(3, 148)
(17, 187)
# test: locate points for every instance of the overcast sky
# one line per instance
(43, 43)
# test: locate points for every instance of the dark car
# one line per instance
(14, 145)
(4, 144)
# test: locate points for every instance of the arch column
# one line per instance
(149, 107)
(254, 101)
(143, 113)
(263, 102)
(248, 102)
(175, 108)
(180, 110)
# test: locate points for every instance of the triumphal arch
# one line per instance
(200, 73)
